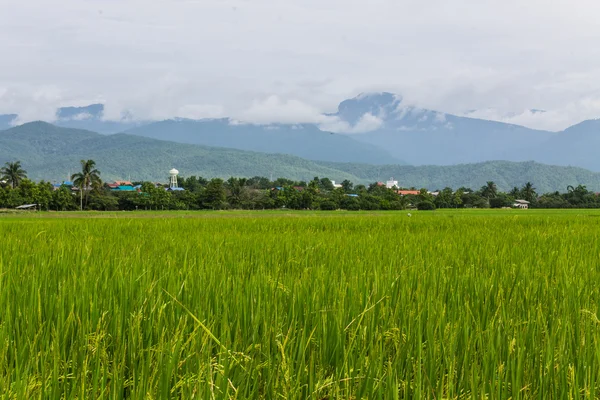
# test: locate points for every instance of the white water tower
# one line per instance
(173, 173)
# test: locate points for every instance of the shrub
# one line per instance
(328, 205)
(426, 205)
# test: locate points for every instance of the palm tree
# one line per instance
(528, 192)
(87, 179)
(489, 190)
(13, 173)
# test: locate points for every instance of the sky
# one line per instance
(292, 60)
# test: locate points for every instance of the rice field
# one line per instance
(242, 305)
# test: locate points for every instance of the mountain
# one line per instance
(577, 145)
(6, 120)
(374, 128)
(302, 140)
(92, 118)
(506, 175)
(52, 153)
(422, 137)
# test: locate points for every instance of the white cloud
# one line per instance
(200, 111)
(367, 123)
(155, 59)
(440, 117)
(81, 116)
(274, 109)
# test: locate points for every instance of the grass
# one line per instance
(441, 305)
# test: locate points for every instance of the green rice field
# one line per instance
(305, 305)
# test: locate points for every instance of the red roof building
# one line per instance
(408, 192)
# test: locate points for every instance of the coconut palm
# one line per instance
(87, 179)
(489, 190)
(528, 192)
(13, 173)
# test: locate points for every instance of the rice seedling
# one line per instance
(444, 305)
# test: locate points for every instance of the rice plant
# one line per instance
(444, 305)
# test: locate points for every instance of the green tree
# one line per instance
(86, 180)
(347, 186)
(426, 205)
(29, 191)
(457, 198)
(444, 199)
(214, 195)
(13, 173)
(236, 191)
(501, 200)
(63, 199)
(44, 195)
(528, 192)
(489, 191)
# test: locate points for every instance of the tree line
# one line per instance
(261, 193)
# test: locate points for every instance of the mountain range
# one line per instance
(52, 153)
(377, 128)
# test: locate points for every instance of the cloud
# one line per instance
(154, 59)
(200, 111)
(276, 110)
(367, 123)
(31, 103)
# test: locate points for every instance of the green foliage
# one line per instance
(214, 195)
(501, 200)
(425, 205)
(298, 306)
(142, 158)
(13, 173)
(86, 180)
(328, 205)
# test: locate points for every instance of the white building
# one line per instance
(523, 204)
(391, 184)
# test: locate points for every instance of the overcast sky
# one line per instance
(290, 60)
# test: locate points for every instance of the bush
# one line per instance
(350, 204)
(426, 205)
(328, 205)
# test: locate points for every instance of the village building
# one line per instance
(522, 204)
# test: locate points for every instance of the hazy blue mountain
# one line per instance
(377, 128)
(302, 140)
(506, 175)
(6, 120)
(95, 111)
(92, 118)
(53, 153)
(578, 145)
(421, 136)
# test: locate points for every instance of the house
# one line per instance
(522, 204)
(336, 185)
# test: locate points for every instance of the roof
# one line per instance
(123, 183)
(125, 188)
(522, 202)
(176, 189)
(26, 206)
(408, 192)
